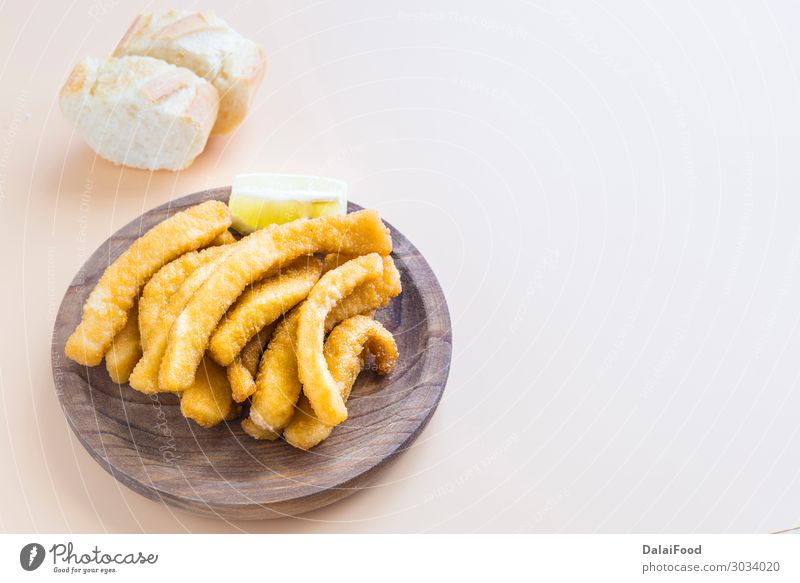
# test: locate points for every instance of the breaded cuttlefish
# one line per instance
(261, 305)
(106, 310)
(190, 310)
(242, 371)
(257, 255)
(278, 385)
(144, 377)
(344, 352)
(318, 384)
(167, 280)
(126, 349)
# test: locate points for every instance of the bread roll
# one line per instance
(140, 112)
(208, 46)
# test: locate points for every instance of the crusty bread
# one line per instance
(208, 46)
(140, 112)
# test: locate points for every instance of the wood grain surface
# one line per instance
(146, 444)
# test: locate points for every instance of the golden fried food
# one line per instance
(208, 400)
(162, 285)
(106, 310)
(242, 371)
(126, 349)
(368, 296)
(277, 383)
(165, 283)
(349, 339)
(334, 260)
(344, 355)
(257, 432)
(261, 305)
(221, 320)
(224, 238)
(145, 376)
(318, 385)
(256, 256)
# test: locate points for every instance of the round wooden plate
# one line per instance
(145, 442)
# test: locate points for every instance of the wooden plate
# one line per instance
(145, 442)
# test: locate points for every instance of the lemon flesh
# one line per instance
(260, 200)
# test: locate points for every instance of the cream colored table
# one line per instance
(608, 197)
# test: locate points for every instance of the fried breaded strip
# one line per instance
(261, 305)
(334, 260)
(258, 254)
(256, 432)
(157, 291)
(144, 377)
(318, 385)
(277, 383)
(368, 296)
(208, 401)
(106, 310)
(166, 282)
(344, 354)
(242, 371)
(125, 351)
(224, 238)
(126, 348)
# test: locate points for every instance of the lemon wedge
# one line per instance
(260, 200)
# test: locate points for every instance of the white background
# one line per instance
(608, 193)
(440, 557)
